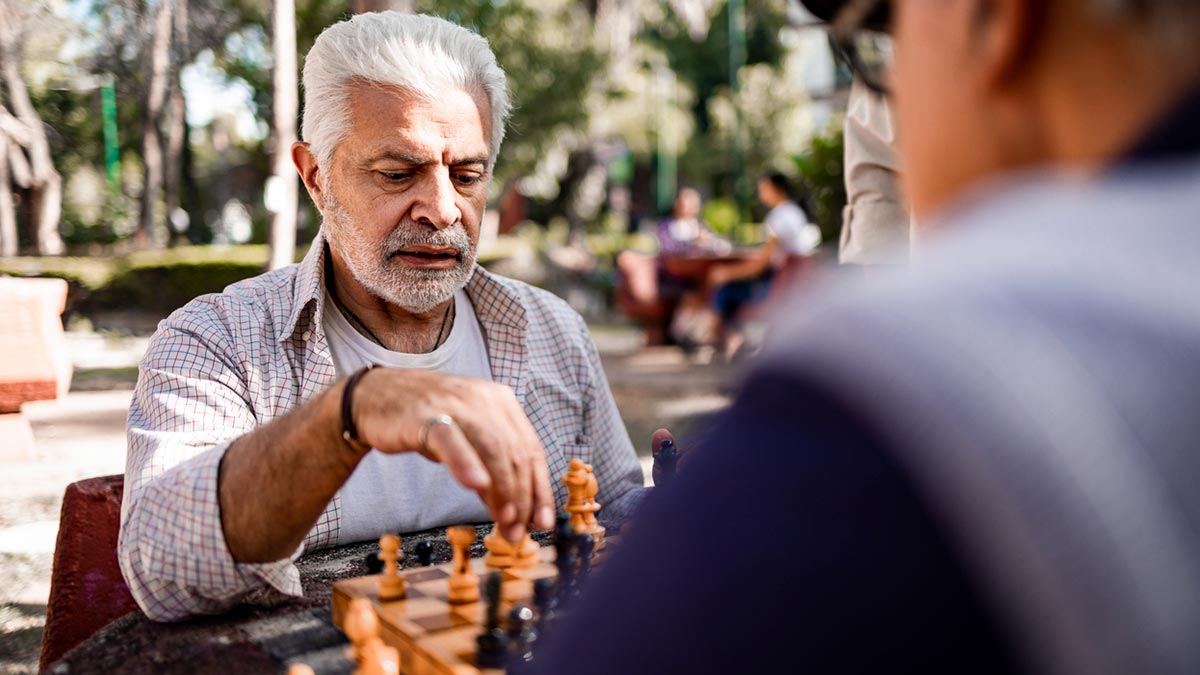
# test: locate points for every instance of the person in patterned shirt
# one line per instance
(257, 409)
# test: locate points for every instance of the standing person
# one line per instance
(790, 238)
(1009, 486)
(875, 222)
(259, 429)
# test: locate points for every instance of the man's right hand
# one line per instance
(491, 447)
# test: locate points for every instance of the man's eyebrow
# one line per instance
(469, 160)
(397, 156)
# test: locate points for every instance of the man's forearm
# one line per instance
(275, 481)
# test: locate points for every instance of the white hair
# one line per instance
(421, 54)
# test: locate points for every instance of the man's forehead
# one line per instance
(401, 124)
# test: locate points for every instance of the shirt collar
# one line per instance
(496, 303)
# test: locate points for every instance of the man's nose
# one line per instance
(436, 203)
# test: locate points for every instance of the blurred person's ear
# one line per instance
(1005, 35)
(310, 173)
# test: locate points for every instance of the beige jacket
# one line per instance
(875, 223)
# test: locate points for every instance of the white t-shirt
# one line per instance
(406, 492)
(789, 224)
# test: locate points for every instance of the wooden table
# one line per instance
(695, 267)
(253, 641)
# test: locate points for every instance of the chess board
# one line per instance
(433, 636)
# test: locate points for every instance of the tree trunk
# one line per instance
(176, 130)
(283, 225)
(46, 183)
(8, 213)
(152, 151)
(361, 6)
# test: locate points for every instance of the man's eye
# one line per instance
(467, 179)
(394, 175)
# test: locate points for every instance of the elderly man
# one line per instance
(1009, 483)
(256, 410)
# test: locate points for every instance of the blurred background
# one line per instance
(139, 143)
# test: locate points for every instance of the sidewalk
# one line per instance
(83, 435)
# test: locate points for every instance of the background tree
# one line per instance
(24, 146)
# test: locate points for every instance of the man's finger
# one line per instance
(543, 494)
(448, 445)
(498, 461)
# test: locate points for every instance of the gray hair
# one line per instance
(422, 54)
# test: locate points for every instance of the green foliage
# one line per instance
(721, 214)
(822, 179)
(546, 49)
(157, 281)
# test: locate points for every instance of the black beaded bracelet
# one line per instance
(349, 430)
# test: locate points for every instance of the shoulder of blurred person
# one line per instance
(875, 221)
(1037, 383)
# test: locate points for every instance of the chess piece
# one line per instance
(424, 552)
(576, 481)
(503, 554)
(361, 626)
(586, 547)
(373, 563)
(666, 456)
(545, 602)
(300, 669)
(521, 635)
(391, 584)
(464, 584)
(492, 644)
(592, 526)
(564, 560)
(581, 499)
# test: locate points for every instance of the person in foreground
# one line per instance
(1009, 484)
(255, 414)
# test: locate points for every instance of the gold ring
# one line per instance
(430, 423)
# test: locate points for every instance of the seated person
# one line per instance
(1006, 483)
(254, 418)
(789, 236)
(651, 291)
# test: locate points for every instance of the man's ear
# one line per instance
(1006, 34)
(310, 173)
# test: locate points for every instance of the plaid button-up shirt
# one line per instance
(227, 363)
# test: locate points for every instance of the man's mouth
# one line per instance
(428, 256)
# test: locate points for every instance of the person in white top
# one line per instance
(789, 237)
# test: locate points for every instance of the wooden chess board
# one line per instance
(433, 636)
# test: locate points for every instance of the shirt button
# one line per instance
(306, 335)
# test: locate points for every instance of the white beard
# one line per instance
(414, 290)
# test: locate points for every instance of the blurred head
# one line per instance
(984, 87)
(403, 118)
(773, 189)
(687, 204)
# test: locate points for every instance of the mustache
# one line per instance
(410, 234)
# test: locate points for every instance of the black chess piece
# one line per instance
(665, 458)
(424, 552)
(565, 559)
(521, 635)
(373, 563)
(546, 602)
(587, 549)
(492, 644)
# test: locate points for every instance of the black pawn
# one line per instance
(424, 552)
(521, 635)
(666, 458)
(564, 558)
(492, 644)
(545, 602)
(374, 564)
(587, 549)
